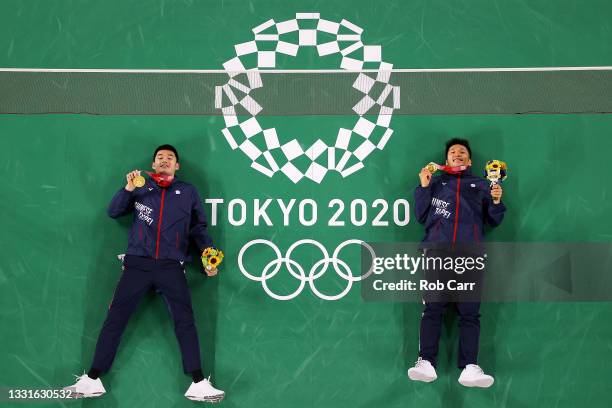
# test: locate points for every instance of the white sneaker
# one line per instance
(204, 391)
(86, 387)
(422, 371)
(473, 376)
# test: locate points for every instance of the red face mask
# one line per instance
(162, 180)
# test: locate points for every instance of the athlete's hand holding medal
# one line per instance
(431, 168)
(134, 179)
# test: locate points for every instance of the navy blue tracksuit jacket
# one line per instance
(454, 208)
(164, 220)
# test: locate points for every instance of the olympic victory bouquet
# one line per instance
(496, 171)
(211, 259)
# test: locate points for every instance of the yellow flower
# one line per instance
(213, 261)
(207, 252)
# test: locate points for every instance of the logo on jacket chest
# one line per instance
(144, 212)
(441, 207)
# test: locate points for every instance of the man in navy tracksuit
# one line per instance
(454, 207)
(167, 213)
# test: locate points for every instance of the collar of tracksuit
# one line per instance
(466, 172)
(153, 183)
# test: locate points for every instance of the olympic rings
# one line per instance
(317, 270)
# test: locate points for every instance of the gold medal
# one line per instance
(432, 167)
(138, 181)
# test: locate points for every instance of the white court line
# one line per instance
(314, 71)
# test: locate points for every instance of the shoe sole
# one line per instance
(211, 399)
(484, 383)
(77, 395)
(420, 377)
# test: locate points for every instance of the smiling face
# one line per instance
(165, 162)
(458, 155)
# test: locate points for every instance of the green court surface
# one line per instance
(59, 268)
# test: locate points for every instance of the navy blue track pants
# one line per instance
(468, 309)
(139, 276)
(469, 331)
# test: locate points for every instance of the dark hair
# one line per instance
(166, 147)
(458, 141)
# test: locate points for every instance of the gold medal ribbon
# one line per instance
(432, 167)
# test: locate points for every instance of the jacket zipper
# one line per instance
(161, 215)
(456, 209)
